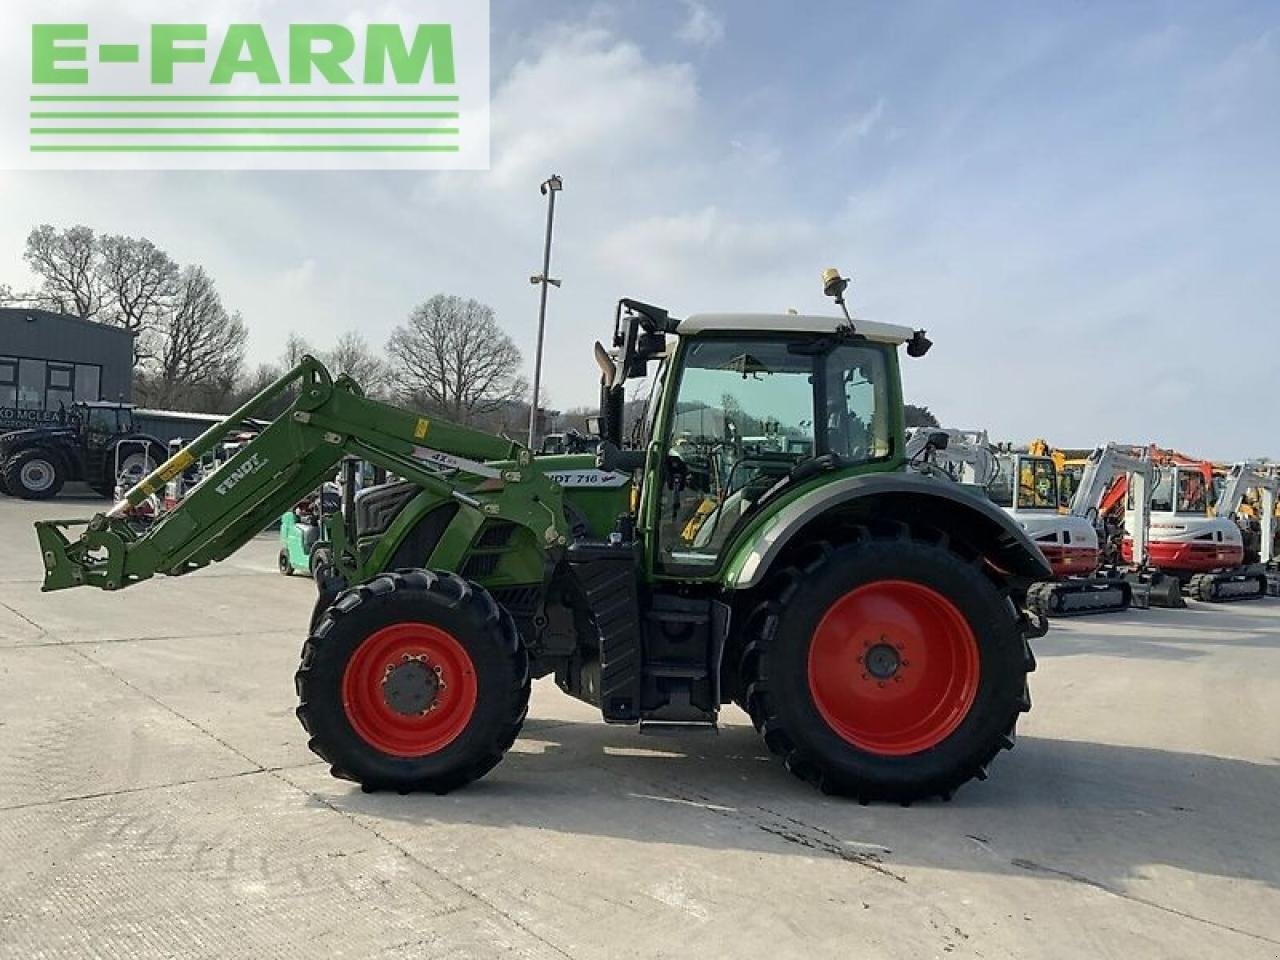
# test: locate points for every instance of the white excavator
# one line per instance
(1102, 469)
(1265, 571)
(1025, 485)
(1194, 540)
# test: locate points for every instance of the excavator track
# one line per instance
(1080, 596)
(1244, 583)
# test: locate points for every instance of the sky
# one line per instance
(1079, 201)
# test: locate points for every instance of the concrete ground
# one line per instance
(157, 800)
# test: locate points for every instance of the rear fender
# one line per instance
(915, 499)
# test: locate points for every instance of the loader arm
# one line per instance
(328, 420)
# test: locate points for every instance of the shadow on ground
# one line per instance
(1077, 811)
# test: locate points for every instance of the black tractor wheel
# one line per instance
(34, 475)
(886, 669)
(284, 563)
(413, 681)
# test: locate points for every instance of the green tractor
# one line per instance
(871, 619)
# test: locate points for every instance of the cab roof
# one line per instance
(791, 323)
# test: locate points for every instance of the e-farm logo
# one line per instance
(135, 84)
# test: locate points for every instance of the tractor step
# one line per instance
(676, 728)
(662, 667)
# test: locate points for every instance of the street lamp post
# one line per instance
(550, 187)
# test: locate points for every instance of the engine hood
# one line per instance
(17, 438)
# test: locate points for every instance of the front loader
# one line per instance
(871, 620)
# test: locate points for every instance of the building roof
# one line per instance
(36, 315)
(791, 323)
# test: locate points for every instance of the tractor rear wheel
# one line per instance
(886, 669)
(34, 475)
(283, 563)
(413, 681)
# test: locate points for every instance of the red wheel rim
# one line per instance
(392, 702)
(893, 667)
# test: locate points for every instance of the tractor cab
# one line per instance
(101, 420)
(744, 409)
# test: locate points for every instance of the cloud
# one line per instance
(590, 99)
(701, 27)
(863, 123)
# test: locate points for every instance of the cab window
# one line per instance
(1037, 484)
(747, 413)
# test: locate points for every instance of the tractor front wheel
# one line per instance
(413, 681)
(886, 669)
(34, 475)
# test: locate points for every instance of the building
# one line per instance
(50, 360)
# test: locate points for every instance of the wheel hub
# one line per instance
(411, 687)
(882, 660)
(37, 475)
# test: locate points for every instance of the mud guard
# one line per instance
(908, 496)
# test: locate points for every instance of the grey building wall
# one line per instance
(41, 351)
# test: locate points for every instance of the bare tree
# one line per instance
(200, 348)
(353, 356)
(66, 261)
(138, 283)
(295, 348)
(452, 354)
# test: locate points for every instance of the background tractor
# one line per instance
(96, 442)
(871, 619)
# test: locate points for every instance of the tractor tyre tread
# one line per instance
(1001, 640)
(500, 712)
(13, 474)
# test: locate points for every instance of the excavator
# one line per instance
(1025, 485)
(1103, 470)
(1259, 531)
(1189, 541)
(871, 619)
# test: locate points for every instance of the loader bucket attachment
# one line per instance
(97, 558)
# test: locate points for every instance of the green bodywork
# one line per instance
(571, 545)
(490, 479)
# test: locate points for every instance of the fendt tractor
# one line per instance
(870, 619)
